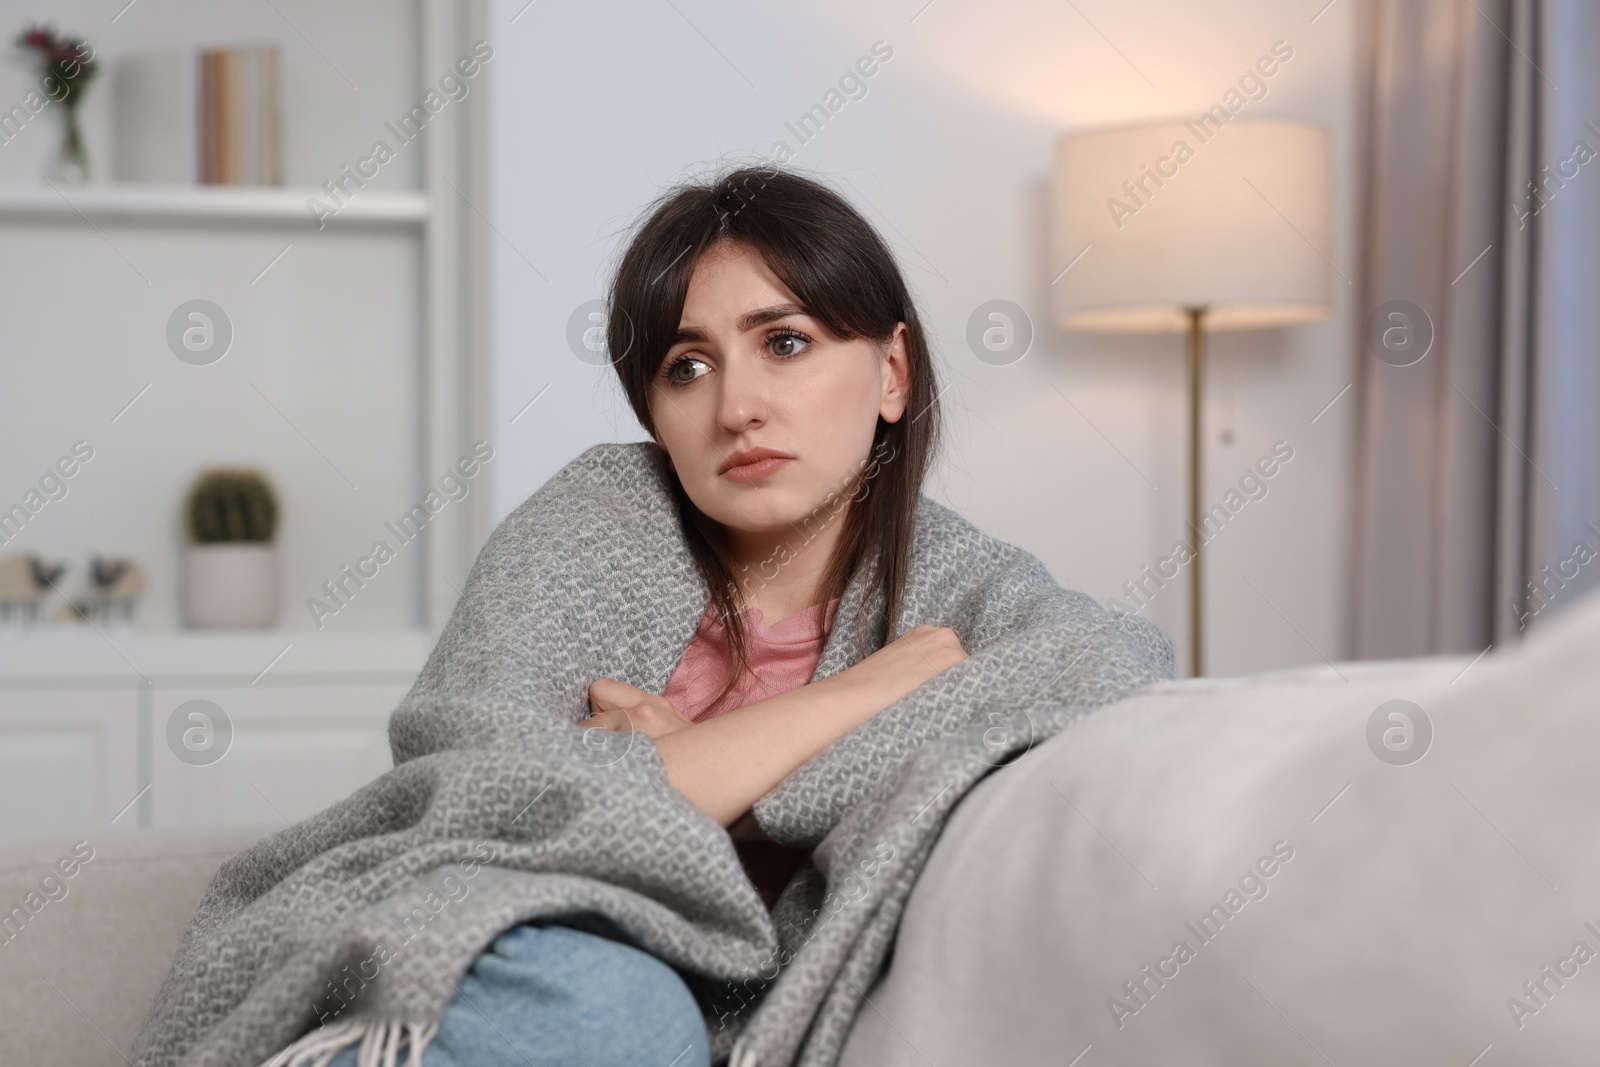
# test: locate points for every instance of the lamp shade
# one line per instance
(1230, 215)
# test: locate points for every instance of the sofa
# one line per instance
(90, 948)
(1351, 887)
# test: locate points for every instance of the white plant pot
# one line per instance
(232, 584)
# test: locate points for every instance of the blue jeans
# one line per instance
(554, 996)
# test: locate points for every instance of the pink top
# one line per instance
(781, 657)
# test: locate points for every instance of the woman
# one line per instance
(767, 343)
(773, 352)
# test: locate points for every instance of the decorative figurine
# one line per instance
(114, 588)
(24, 580)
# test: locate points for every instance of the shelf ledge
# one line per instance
(199, 203)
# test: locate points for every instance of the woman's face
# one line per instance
(750, 371)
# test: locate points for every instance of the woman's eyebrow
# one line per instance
(748, 321)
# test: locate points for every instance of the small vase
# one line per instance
(71, 163)
(232, 584)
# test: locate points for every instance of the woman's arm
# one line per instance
(1033, 645)
(724, 764)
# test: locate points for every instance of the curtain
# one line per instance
(1477, 503)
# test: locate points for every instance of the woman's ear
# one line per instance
(896, 376)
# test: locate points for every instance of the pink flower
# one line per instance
(69, 62)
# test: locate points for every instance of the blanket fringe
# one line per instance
(741, 1057)
(380, 1042)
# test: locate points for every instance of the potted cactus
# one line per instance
(231, 573)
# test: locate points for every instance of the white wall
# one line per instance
(597, 107)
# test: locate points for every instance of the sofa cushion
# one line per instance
(87, 929)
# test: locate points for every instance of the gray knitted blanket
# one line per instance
(356, 923)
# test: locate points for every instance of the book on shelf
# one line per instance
(209, 117)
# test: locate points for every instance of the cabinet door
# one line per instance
(235, 755)
(69, 762)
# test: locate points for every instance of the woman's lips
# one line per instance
(754, 472)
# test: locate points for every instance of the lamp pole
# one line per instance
(1206, 256)
(1196, 355)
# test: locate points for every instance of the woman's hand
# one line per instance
(619, 707)
(909, 660)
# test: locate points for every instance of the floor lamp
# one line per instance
(1188, 227)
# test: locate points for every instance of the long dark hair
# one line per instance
(844, 275)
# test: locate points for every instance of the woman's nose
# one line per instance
(743, 399)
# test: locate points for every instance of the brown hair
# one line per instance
(844, 275)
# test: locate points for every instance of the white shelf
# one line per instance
(392, 303)
(141, 203)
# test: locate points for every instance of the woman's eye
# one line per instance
(784, 345)
(682, 370)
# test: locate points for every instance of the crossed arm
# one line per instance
(725, 764)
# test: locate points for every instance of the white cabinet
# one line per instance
(286, 726)
(68, 760)
(292, 751)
